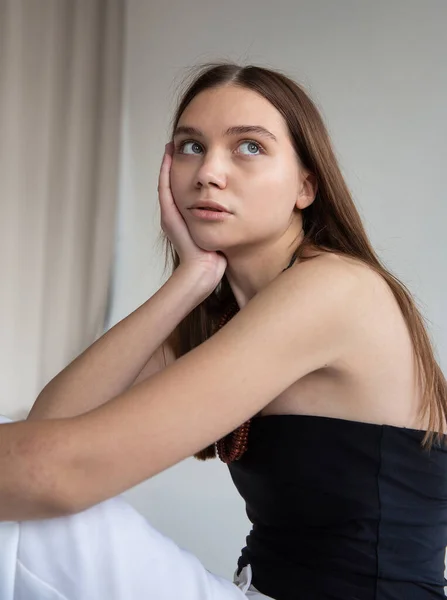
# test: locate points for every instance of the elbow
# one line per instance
(53, 498)
(32, 509)
(41, 472)
(24, 498)
(55, 489)
(32, 459)
(44, 472)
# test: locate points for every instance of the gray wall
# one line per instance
(377, 71)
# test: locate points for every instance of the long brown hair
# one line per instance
(330, 224)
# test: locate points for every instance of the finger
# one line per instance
(169, 148)
(164, 186)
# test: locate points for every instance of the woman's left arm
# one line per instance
(31, 452)
(299, 323)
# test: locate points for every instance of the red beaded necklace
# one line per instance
(232, 446)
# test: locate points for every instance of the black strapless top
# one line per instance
(343, 510)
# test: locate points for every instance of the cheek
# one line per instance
(285, 176)
(275, 191)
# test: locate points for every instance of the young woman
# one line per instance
(279, 343)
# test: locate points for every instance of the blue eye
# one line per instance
(184, 144)
(252, 145)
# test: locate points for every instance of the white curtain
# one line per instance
(60, 107)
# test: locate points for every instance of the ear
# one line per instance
(308, 190)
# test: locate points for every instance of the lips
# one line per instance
(207, 214)
(208, 208)
(211, 205)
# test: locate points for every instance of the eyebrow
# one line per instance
(235, 130)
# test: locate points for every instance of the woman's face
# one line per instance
(254, 174)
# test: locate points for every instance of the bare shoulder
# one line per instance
(336, 276)
(371, 285)
(339, 263)
(346, 273)
(345, 291)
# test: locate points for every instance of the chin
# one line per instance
(208, 247)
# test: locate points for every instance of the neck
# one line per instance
(252, 270)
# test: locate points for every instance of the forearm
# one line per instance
(110, 365)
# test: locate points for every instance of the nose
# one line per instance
(211, 173)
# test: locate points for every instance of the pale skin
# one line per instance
(325, 337)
